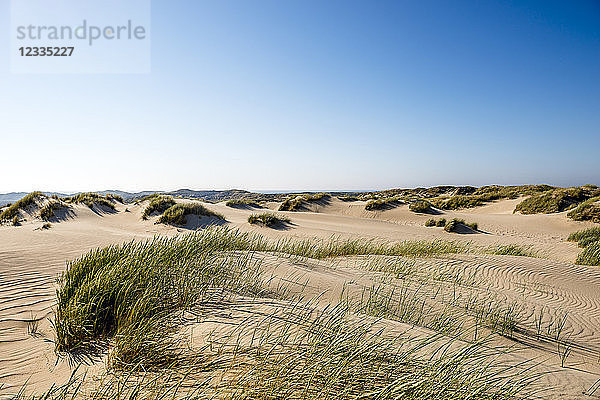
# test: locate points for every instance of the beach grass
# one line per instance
(94, 199)
(242, 203)
(13, 210)
(268, 219)
(125, 299)
(177, 214)
(158, 204)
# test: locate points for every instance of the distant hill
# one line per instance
(209, 195)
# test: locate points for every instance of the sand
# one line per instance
(31, 259)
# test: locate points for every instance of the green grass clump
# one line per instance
(93, 199)
(133, 297)
(473, 225)
(317, 196)
(13, 210)
(585, 237)
(158, 204)
(485, 194)
(454, 225)
(125, 291)
(292, 204)
(242, 203)
(115, 197)
(590, 255)
(177, 214)
(48, 211)
(553, 201)
(123, 287)
(589, 239)
(420, 206)
(456, 202)
(589, 210)
(297, 203)
(16, 221)
(383, 204)
(268, 219)
(512, 250)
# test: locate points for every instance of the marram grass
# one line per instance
(158, 204)
(177, 214)
(127, 297)
(13, 210)
(589, 239)
(268, 219)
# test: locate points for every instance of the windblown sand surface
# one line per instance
(31, 259)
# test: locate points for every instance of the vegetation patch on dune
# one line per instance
(131, 296)
(585, 237)
(242, 203)
(589, 239)
(454, 225)
(590, 254)
(94, 199)
(268, 219)
(589, 210)
(481, 196)
(158, 204)
(440, 223)
(383, 204)
(420, 206)
(512, 250)
(559, 200)
(13, 210)
(456, 202)
(177, 214)
(48, 212)
(297, 203)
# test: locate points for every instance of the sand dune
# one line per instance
(31, 259)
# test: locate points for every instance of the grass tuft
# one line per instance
(13, 210)
(94, 199)
(383, 204)
(590, 255)
(589, 239)
(268, 219)
(48, 212)
(512, 250)
(554, 201)
(242, 203)
(585, 237)
(297, 203)
(158, 204)
(589, 210)
(177, 214)
(131, 295)
(454, 225)
(420, 206)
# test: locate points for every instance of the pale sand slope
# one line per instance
(31, 259)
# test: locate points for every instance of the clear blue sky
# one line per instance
(320, 95)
